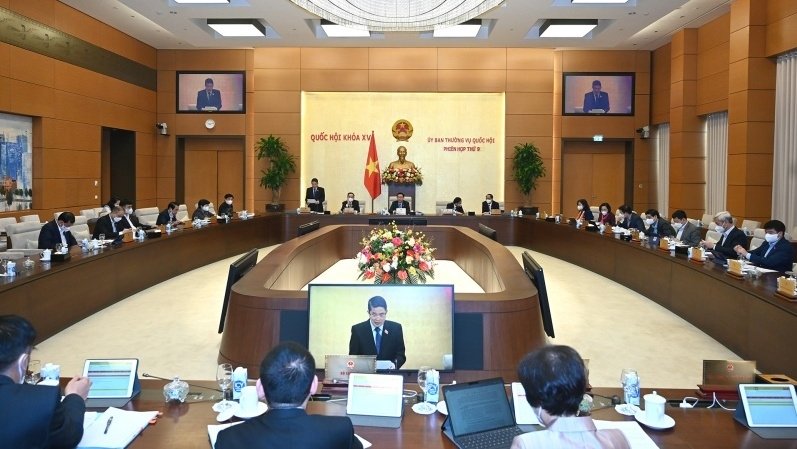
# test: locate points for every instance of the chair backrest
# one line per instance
(694, 221)
(147, 215)
(713, 236)
(101, 211)
(80, 231)
(707, 219)
(759, 232)
(755, 242)
(24, 235)
(750, 224)
(182, 213)
(56, 214)
(794, 230)
(5, 222)
(33, 218)
(596, 210)
(80, 219)
(408, 199)
(89, 213)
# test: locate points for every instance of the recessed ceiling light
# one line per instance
(466, 29)
(567, 27)
(600, 1)
(202, 1)
(335, 30)
(238, 27)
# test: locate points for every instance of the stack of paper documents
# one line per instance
(123, 428)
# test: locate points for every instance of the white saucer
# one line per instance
(442, 407)
(626, 409)
(665, 422)
(424, 408)
(226, 415)
(261, 408)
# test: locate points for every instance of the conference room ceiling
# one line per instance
(637, 25)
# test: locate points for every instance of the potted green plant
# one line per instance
(281, 164)
(527, 167)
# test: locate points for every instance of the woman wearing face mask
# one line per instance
(350, 203)
(226, 206)
(606, 216)
(202, 210)
(584, 212)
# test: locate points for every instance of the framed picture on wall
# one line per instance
(211, 92)
(598, 93)
(16, 162)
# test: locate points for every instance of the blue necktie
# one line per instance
(378, 339)
(771, 245)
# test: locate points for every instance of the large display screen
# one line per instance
(425, 314)
(220, 92)
(598, 93)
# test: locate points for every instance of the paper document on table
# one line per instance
(366, 444)
(107, 433)
(214, 429)
(88, 418)
(524, 414)
(765, 270)
(311, 201)
(637, 438)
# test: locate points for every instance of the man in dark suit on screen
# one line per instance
(208, 97)
(377, 336)
(287, 379)
(316, 194)
(35, 416)
(596, 99)
(57, 231)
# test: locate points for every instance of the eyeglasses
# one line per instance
(377, 315)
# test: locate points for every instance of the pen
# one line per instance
(108, 424)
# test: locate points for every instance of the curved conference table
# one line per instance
(743, 315)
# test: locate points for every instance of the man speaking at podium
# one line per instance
(377, 336)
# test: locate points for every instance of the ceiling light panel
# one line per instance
(238, 27)
(567, 27)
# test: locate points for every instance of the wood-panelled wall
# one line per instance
(71, 105)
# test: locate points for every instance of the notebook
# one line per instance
(479, 415)
(337, 368)
(113, 382)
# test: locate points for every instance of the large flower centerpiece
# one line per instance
(392, 256)
(402, 176)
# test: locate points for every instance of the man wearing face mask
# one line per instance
(657, 227)
(350, 203)
(456, 206)
(488, 205)
(129, 220)
(111, 225)
(630, 220)
(34, 416)
(685, 232)
(226, 206)
(776, 253)
(202, 210)
(57, 231)
(730, 236)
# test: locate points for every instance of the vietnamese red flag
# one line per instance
(372, 177)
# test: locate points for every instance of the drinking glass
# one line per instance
(423, 372)
(33, 373)
(102, 238)
(224, 378)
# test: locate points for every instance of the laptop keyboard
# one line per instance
(499, 438)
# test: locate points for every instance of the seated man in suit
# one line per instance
(657, 226)
(685, 232)
(456, 206)
(208, 97)
(350, 203)
(168, 215)
(596, 99)
(34, 416)
(202, 211)
(57, 231)
(630, 220)
(488, 205)
(776, 253)
(377, 336)
(287, 379)
(130, 221)
(399, 204)
(111, 225)
(730, 236)
(226, 207)
(317, 194)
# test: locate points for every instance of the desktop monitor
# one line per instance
(218, 92)
(615, 95)
(537, 276)
(425, 312)
(237, 270)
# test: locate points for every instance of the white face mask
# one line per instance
(129, 210)
(117, 219)
(489, 201)
(605, 212)
(648, 221)
(719, 229)
(579, 207)
(351, 198)
(677, 226)
(228, 201)
(206, 208)
(771, 238)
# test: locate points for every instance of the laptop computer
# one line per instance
(113, 382)
(479, 415)
(337, 368)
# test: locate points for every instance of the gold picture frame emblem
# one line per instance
(402, 130)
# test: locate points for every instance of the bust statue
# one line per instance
(402, 162)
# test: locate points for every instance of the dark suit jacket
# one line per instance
(458, 209)
(634, 221)
(226, 209)
(38, 417)
(290, 428)
(663, 229)
(319, 196)
(104, 226)
(202, 99)
(200, 214)
(136, 223)
(392, 347)
(354, 205)
(725, 245)
(780, 258)
(164, 218)
(49, 236)
(591, 103)
(587, 214)
(395, 205)
(689, 234)
(486, 208)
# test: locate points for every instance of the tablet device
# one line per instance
(375, 400)
(111, 379)
(769, 405)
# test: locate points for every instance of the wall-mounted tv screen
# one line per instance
(218, 92)
(598, 93)
(339, 323)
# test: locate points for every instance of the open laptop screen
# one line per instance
(478, 406)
